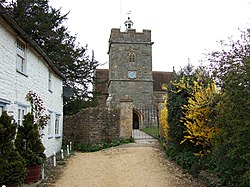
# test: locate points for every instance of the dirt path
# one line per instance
(131, 165)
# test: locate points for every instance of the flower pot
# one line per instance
(33, 174)
(12, 185)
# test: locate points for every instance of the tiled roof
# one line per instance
(14, 25)
(159, 77)
(102, 80)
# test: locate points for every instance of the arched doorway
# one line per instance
(135, 121)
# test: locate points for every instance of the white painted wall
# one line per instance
(14, 86)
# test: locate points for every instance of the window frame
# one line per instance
(57, 125)
(21, 112)
(50, 125)
(131, 57)
(3, 104)
(50, 81)
(1, 109)
(21, 57)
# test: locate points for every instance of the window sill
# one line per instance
(22, 73)
(57, 136)
(50, 136)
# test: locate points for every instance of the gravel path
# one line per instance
(130, 165)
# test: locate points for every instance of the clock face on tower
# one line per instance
(132, 74)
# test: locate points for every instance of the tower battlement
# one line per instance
(130, 37)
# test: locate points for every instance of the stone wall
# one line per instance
(126, 116)
(92, 126)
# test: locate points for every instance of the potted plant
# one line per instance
(12, 165)
(28, 140)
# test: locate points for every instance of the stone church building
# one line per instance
(130, 94)
(130, 72)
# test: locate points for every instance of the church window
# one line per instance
(131, 57)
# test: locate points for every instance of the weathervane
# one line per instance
(129, 12)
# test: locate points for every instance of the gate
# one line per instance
(145, 122)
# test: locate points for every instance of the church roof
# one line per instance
(159, 77)
(102, 80)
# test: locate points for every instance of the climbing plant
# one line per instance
(37, 109)
(28, 140)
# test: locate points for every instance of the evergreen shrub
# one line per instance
(12, 165)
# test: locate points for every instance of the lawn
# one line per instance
(152, 131)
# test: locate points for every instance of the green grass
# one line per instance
(152, 131)
(104, 145)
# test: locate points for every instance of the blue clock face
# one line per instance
(132, 74)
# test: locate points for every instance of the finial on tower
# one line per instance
(129, 23)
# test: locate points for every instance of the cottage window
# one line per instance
(50, 81)
(20, 114)
(50, 124)
(21, 65)
(3, 104)
(57, 125)
(1, 110)
(131, 57)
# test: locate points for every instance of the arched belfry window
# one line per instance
(131, 57)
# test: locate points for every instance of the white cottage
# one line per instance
(25, 67)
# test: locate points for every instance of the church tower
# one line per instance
(130, 66)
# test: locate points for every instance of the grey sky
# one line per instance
(181, 29)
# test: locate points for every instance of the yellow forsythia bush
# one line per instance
(164, 120)
(198, 117)
(164, 116)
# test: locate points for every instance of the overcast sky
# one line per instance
(181, 29)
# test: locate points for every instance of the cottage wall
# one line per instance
(14, 86)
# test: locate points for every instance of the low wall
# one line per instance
(92, 126)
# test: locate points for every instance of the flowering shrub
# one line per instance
(199, 116)
(37, 109)
(164, 120)
(28, 139)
